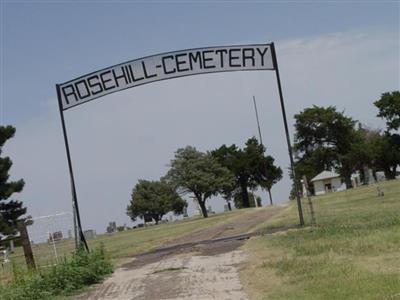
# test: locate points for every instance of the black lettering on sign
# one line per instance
(118, 77)
(206, 59)
(195, 58)
(180, 60)
(105, 80)
(94, 83)
(163, 59)
(132, 76)
(248, 54)
(71, 92)
(146, 75)
(127, 74)
(221, 53)
(262, 53)
(85, 86)
(164, 66)
(232, 57)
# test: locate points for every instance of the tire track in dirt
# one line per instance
(200, 270)
(239, 225)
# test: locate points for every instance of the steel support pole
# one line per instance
(275, 61)
(75, 207)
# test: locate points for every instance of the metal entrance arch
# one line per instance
(254, 57)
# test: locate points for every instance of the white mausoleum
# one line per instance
(326, 182)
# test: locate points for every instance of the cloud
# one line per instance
(133, 134)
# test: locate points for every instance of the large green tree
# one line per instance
(322, 140)
(198, 173)
(250, 167)
(389, 109)
(389, 155)
(10, 210)
(374, 149)
(154, 199)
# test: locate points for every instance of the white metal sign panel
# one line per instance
(165, 66)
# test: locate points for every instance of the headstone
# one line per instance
(185, 213)
(355, 180)
(90, 234)
(380, 176)
(371, 176)
(112, 227)
(55, 237)
(368, 176)
(5, 256)
(304, 188)
(12, 246)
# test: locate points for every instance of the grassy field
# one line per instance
(352, 253)
(122, 244)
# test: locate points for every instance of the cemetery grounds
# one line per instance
(353, 252)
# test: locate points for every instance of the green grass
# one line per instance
(124, 244)
(67, 277)
(352, 253)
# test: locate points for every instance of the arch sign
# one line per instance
(254, 57)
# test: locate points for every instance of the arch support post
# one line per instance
(295, 181)
(80, 240)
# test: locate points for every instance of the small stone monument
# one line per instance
(380, 176)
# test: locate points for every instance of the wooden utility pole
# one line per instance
(26, 245)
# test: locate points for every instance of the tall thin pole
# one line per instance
(261, 142)
(275, 61)
(71, 174)
(258, 123)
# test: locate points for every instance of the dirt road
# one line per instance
(203, 265)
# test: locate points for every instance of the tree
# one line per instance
(10, 210)
(237, 199)
(250, 167)
(272, 174)
(364, 150)
(198, 173)
(387, 155)
(154, 199)
(374, 149)
(322, 140)
(389, 109)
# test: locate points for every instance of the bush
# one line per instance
(70, 275)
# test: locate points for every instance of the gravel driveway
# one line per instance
(202, 265)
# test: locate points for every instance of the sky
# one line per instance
(337, 53)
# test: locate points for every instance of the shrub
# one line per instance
(70, 275)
